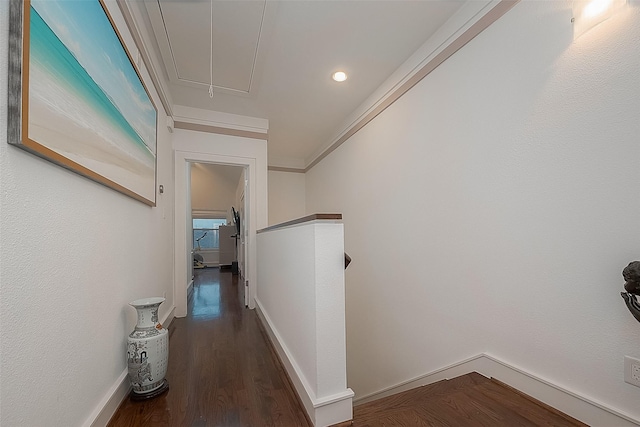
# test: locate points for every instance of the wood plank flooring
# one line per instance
(223, 372)
(470, 400)
(221, 369)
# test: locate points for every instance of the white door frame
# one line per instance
(183, 211)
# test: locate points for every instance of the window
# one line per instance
(205, 233)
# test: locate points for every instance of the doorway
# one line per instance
(255, 212)
(217, 209)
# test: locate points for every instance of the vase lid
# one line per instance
(147, 302)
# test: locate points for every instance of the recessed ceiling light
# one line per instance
(339, 76)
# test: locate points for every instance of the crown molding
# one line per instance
(219, 120)
(473, 18)
(285, 169)
(286, 164)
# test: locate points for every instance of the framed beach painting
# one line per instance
(76, 98)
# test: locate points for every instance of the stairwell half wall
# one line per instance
(493, 207)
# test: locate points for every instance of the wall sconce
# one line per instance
(589, 13)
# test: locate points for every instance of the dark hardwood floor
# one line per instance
(470, 400)
(222, 371)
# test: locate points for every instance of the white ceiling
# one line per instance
(273, 59)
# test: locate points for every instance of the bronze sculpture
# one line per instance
(631, 275)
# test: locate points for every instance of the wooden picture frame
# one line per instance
(76, 97)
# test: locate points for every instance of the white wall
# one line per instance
(493, 208)
(239, 191)
(286, 196)
(213, 187)
(73, 254)
(239, 205)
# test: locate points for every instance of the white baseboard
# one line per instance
(189, 288)
(580, 407)
(171, 314)
(119, 390)
(457, 369)
(323, 411)
(110, 403)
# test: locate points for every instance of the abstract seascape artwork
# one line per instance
(76, 98)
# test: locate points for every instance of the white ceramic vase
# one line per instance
(148, 351)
